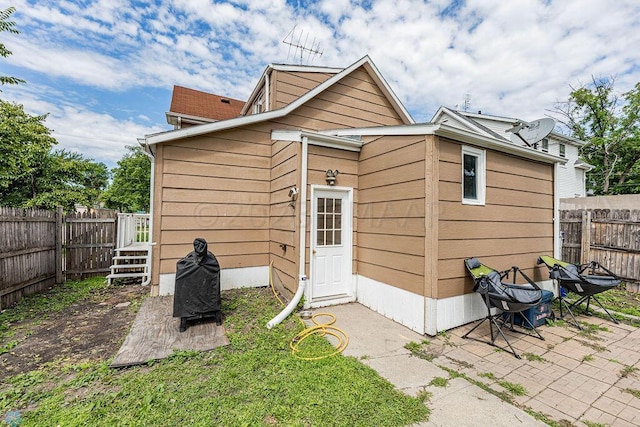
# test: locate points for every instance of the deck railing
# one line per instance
(133, 229)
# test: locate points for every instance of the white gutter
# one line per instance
(302, 282)
(266, 92)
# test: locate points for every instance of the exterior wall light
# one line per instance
(331, 176)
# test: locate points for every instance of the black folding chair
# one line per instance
(507, 298)
(585, 280)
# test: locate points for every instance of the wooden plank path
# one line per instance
(155, 335)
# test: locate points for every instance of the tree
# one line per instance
(24, 141)
(32, 175)
(8, 26)
(129, 191)
(611, 128)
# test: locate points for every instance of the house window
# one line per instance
(545, 145)
(329, 222)
(473, 176)
(258, 104)
(563, 150)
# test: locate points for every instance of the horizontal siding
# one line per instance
(216, 187)
(290, 85)
(347, 103)
(391, 225)
(283, 225)
(513, 228)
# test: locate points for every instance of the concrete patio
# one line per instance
(589, 378)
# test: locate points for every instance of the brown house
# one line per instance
(325, 176)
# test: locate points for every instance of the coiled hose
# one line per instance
(321, 329)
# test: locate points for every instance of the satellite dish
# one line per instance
(532, 132)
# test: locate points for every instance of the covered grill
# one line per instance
(197, 292)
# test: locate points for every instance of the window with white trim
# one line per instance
(473, 176)
(545, 145)
(563, 150)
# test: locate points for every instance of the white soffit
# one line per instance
(322, 140)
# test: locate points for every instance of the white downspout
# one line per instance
(557, 246)
(266, 92)
(147, 150)
(302, 282)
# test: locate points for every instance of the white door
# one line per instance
(331, 243)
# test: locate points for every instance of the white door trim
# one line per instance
(347, 242)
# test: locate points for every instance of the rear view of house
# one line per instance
(325, 176)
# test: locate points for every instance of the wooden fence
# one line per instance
(611, 237)
(40, 248)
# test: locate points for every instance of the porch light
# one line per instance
(331, 176)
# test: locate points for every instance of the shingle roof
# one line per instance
(195, 103)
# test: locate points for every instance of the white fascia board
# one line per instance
(455, 134)
(567, 139)
(305, 68)
(497, 145)
(256, 90)
(509, 120)
(254, 118)
(189, 118)
(464, 120)
(314, 138)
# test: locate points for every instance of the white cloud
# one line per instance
(513, 58)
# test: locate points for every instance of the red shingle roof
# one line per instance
(193, 102)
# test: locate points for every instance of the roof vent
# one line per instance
(225, 101)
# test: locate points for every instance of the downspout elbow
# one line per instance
(291, 306)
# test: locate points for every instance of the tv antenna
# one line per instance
(531, 132)
(301, 47)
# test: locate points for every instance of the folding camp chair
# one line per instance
(507, 298)
(585, 280)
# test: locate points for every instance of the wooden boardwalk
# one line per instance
(154, 334)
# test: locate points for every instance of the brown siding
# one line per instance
(217, 187)
(391, 210)
(354, 101)
(287, 86)
(513, 228)
(285, 159)
(321, 159)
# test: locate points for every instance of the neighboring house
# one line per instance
(571, 176)
(191, 107)
(326, 176)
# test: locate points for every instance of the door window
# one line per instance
(329, 222)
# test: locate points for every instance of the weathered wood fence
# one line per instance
(610, 237)
(40, 248)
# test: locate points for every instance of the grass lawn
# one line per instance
(253, 381)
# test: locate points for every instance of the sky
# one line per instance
(104, 70)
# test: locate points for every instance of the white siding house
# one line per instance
(571, 176)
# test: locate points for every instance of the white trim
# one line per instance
(274, 114)
(305, 68)
(404, 307)
(180, 118)
(481, 173)
(451, 132)
(347, 242)
(455, 311)
(556, 213)
(318, 139)
(230, 278)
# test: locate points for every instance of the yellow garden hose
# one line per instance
(321, 329)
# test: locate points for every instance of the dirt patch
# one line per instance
(90, 330)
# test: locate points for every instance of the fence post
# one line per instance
(59, 237)
(585, 244)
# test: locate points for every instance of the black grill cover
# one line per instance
(197, 289)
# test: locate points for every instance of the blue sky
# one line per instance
(104, 69)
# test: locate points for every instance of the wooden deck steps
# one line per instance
(131, 262)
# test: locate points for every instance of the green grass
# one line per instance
(439, 382)
(41, 305)
(632, 391)
(253, 381)
(513, 388)
(534, 357)
(588, 358)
